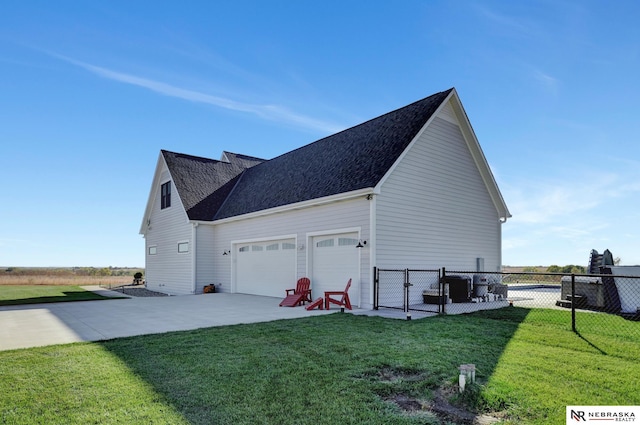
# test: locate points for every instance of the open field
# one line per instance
(337, 368)
(104, 281)
(75, 276)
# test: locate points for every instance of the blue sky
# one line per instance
(91, 91)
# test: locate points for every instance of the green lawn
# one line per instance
(329, 369)
(33, 294)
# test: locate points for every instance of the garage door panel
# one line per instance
(266, 268)
(335, 260)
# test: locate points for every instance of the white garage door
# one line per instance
(336, 260)
(266, 268)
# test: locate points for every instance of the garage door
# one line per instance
(336, 260)
(265, 268)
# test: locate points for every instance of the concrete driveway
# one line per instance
(60, 323)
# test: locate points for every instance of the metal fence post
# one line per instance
(376, 289)
(406, 293)
(443, 288)
(407, 285)
(573, 302)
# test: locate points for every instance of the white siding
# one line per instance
(168, 271)
(205, 250)
(434, 210)
(446, 113)
(332, 217)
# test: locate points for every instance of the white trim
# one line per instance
(373, 231)
(152, 193)
(445, 116)
(499, 267)
(270, 238)
(481, 161)
(194, 257)
(298, 205)
(474, 148)
(335, 231)
(413, 142)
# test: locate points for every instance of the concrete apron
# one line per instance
(60, 323)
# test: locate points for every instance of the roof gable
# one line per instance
(204, 183)
(352, 159)
(356, 159)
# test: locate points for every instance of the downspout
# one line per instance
(194, 253)
(372, 245)
(502, 221)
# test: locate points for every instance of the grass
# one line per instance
(32, 294)
(329, 369)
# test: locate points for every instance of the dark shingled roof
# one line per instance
(352, 159)
(202, 183)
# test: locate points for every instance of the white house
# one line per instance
(412, 187)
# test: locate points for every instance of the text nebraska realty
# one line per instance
(622, 416)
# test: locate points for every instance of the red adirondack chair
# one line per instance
(343, 301)
(299, 295)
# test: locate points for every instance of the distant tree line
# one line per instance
(73, 271)
(568, 269)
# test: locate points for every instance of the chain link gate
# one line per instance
(393, 290)
(425, 291)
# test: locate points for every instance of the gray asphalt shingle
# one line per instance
(352, 159)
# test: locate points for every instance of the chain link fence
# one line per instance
(406, 290)
(590, 300)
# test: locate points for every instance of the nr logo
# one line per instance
(577, 415)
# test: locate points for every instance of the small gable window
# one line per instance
(183, 247)
(165, 195)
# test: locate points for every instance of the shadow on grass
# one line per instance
(591, 344)
(65, 296)
(333, 365)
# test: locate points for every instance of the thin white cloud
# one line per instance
(561, 219)
(508, 23)
(548, 204)
(269, 112)
(540, 202)
(546, 80)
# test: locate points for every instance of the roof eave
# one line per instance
(479, 157)
(296, 206)
(144, 225)
(413, 141)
